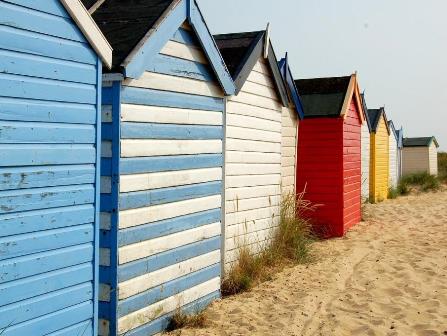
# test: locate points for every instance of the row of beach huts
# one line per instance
(138, 152)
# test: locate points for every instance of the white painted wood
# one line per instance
(392, 160)
(149, 280)
(104, 292)
(251, 215)
(288, 141)
(252, 226)
(176, 84)
(106, 113)
(289, 183)
(106, 184)
(169, 115)
(366, 155)
(287, 161)
(252, 203)
(233, 255)
(288, 151)
(95, 6)
(254, 123)
(257, 237)
(180, 50)
(148, 181)
(234, 132)
(255, 100)
(252, 180)
(252, 192)
(252, 111)
(90, 30)
(105, 220)
(106, 149)
(260, 78)
(252, 157)
(433, 159)
(135, 217)
(288, 171)
(104, 257)
(289, 131)
(147, 248)
(260, 90)
(138, 148)
(253, 146)
(235, 169)
(262, 67)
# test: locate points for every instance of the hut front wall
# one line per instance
(433, 159)
(415, 160)
(352, 172)
(393, 161)
(320, 171)
(288, 150)
(252, 163)
(379, 177)
(48, 172)
(366, 140)
(170, 190)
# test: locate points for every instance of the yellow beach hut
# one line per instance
(379, 161)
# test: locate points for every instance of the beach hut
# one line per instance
(252, 141)
(51, 55)
(289, 130)
(162, 164)
(395, 153)
(379, 168)
(329, 151)
(420, 155)
(366, 150)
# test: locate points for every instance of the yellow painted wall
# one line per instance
(379, 170)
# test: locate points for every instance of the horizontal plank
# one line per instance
(288, 141)
(135, 217)
(44, 198)
(46, 219)
(169, 115)
(287, 161)
(251, 226)
(17, 109)
(253, 146)
(183, 51)
(262, 67)
(162, 307)
(44, 67)
(173, 225)
(251, 203)
(186, 36)
(131, 130)
(251, 157)
(251, 192)
(260, 90)
(288, 151)
(169, 163)
(251, 215)
(142, 199)
(139, 96)
(236, 169)
(17, 132)
(288, 171)
(161, 276)
(50, 7)
(260, 78)
(252, 111)
(139, 148)
(168, 179)
(154, 246)
(156, 81)
(251, 99)
(233, 132)
(45, 176)
(249, 239)
(252, 180)
(253, 123)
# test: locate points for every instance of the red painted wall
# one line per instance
(329, 166)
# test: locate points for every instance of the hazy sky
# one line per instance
(398, 47)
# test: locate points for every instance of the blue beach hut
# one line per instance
(162, 164)
(51, 55)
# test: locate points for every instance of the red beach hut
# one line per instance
(329, 151)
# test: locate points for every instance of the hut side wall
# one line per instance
(415, 160)
(289, 131)
(170, 189)
(49, 82)
(352, 174)
(252, 163)
(393, 161)
(433, 159)
(379, 177)
(366, 155)
(319, 171)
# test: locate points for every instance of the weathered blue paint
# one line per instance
(286, 73)
(130, 130)
(49, 172)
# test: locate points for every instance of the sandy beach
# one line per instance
(388, 276)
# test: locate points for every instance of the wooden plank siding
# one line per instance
(49, 178)
(379, 172)
(393, 165)
(289, 131)
(366, 155)
(170, 194)
(253, 170)
(419, 160)
(433, 159)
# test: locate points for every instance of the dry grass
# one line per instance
(442, 166)
(181, 320)
(290, 244)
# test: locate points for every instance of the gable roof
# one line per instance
(329, 97)
(374, 116)
(420, 142)
(365, 110)
(91, 31)
(241, 51)
(393, 130)
(286, 73)
(139, 30)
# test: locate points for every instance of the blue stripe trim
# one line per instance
(50, 7)
(167, 227)
(162, 323)
(132, 130)
(142, 199)
(185, 37)
(169, 65)
(155, 262)
(167, 289)
(139, 96)
(169, 163)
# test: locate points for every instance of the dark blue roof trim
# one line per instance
(290, 83)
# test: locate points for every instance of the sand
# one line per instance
(388, 276)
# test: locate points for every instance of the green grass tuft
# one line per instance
(424, 181)
(181, 320)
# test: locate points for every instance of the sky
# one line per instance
(398, 48)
